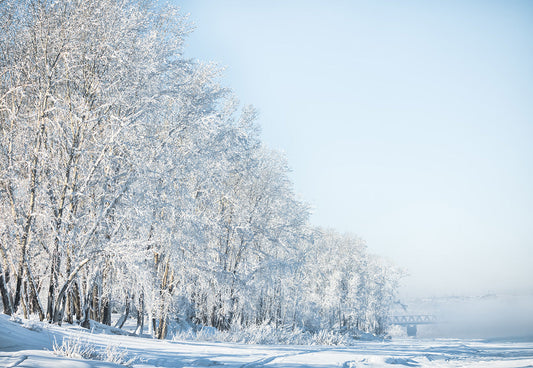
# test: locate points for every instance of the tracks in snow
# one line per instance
(264, 361)
(17, 362)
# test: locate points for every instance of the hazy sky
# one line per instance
(408, 123)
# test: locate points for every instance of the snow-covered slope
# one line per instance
(30, 344)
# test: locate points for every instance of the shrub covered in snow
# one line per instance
(267, 334)
(82, 349)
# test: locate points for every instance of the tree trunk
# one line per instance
(125, 315)
(54, 270)
(153, 325)
(24, 299)
(76, 300)
(25, 238)
(140, 316)
(106, 311)
(69, 302)
(166, 286)
(6, 298)
(85, 323)
(18, 289)
(162, 328)
(95, 301)
(60, 304)
(59, 310)
(33, 292)
(70, 308)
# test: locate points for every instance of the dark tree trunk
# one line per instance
(54, 269)
(76, 300)
(18, 290)
(125, 315)
(59, 310)
(32, 292)
(24, 299)
(85, 323)
(162, 328)
(70, 308)
(6, 298)
(95, 301)
(106, 311)
(140, 316)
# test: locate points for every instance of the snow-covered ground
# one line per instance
(31, 344)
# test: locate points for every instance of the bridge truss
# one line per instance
(410, 322)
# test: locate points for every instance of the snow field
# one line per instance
(31, 344)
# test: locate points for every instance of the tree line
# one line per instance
(131, 179)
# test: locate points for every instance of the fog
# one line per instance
(483, 317)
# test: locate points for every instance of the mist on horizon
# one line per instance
(493, 316)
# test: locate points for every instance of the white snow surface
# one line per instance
(26, 343)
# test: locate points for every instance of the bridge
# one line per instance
(411, 321)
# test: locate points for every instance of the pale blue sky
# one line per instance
(408, 123)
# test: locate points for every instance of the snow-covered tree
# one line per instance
(129, 177)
